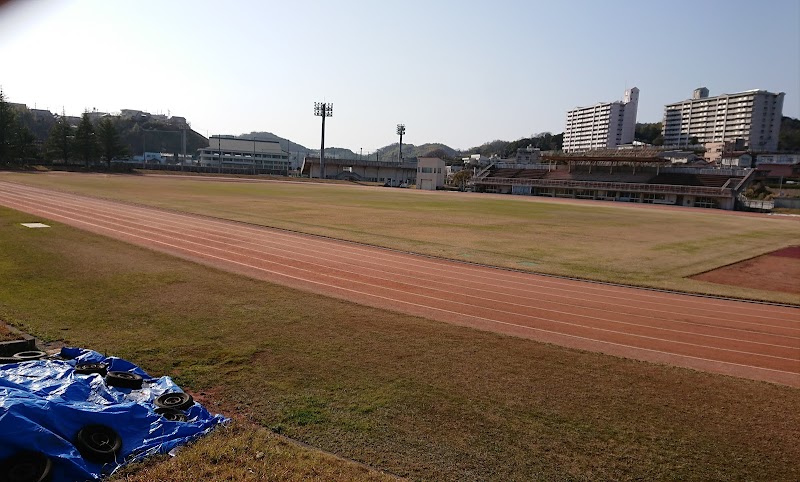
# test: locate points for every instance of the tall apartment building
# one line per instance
(753, 115)
(602, 126)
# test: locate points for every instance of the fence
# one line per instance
(756, 204)
(204, 169)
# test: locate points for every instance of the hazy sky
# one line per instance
(460, 72)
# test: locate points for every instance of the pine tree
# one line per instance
(8, 129)
(59, 142)
(86, 140)
(108, 141)
(24, 144)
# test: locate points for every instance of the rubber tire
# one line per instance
(26, 467)
(124, 380)
(172, 414)
(29, 355)
(90, 368)
(175, 400)
(98, 443)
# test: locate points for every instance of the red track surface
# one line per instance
(737, 338)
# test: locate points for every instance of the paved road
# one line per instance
(743, 339)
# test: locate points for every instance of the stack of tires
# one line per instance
(97, 443)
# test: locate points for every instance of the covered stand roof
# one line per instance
(612, 157)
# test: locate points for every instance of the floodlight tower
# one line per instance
(323, 109)
(401, 129)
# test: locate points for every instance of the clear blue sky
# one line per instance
(459, 72)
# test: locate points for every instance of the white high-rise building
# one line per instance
(602, 126)
(753, 115)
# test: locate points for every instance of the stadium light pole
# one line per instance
(323, 109)
(401, 129)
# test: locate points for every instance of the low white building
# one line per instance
(736, 160)
(230, 152)
(778, 158)
(430, 173)
(450, 170)
(528, 155)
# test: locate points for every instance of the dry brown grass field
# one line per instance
(615, 242)
(414, 397)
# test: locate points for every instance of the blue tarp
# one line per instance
(44, 403)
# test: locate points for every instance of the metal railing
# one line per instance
(706, 171)
(756, 203)
(608, 186)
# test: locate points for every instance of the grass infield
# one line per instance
(616, 242)
(399, 393)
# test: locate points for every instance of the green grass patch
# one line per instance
(399, 393)
(622, 244)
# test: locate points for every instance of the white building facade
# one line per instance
(228, 151)
(430, 173)
(602, 126)
(753, 115)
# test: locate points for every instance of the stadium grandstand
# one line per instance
(392, 173)
(626, 175)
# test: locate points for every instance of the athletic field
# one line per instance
(399, 393)
(638, 245)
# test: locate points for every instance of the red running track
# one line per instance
(750, 340)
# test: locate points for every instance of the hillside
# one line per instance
(649, 133)
(157, 136)
(789, 137)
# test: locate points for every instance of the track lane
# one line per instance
(768, 345)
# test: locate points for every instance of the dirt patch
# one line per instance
(790, 252)
(7, 334)
(776, 271)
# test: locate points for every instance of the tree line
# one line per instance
(85, 143)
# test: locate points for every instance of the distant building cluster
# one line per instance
(95, 115)
(750, 119)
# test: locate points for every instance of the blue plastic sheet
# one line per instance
(44, 403)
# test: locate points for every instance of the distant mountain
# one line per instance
(286, 144)
(544, 141)
(392, 151)
(296, 151)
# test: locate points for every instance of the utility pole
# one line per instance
(401, 129)
(323, 109)
(219, 146)
(288, 156)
